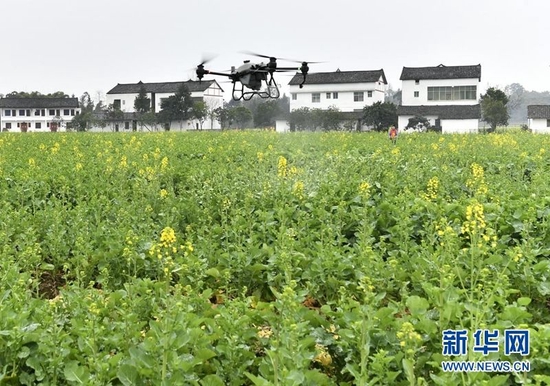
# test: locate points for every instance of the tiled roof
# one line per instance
(160, 88)
(443, 112)
(441, 72)
(538, 112)
(38, 103)
(340, 77)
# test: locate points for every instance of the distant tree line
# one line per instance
(34, 94)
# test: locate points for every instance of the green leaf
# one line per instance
(417, 305)
(75, 373)
(127, 374)
(296, 376)
(205, 354)
(25, 352)
(212, 380)
(258, 381)
(408, 366)
(498, 380)
(524, 301)
(544, 288)
(213, 272)
(47, 267)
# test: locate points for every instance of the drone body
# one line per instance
(251, 79)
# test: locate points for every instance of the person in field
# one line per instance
(392, 133)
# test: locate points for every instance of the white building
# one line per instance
(448, 96)
(348, 91)
(538, 118)
(37, 114)
(123, 97)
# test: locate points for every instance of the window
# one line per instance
(294, 96)
(316, 97)
(116, 104)
(58, 113)
(328, 95)
(7, 113)
(13, 113)
(28, 113)
(48, 124)
(22, 113)
(416, 81)
(416, 94)
(123, 102)
(38, 125)
(358, 96)
(72, 112)
(37, 112)
(51, 112)
(548, 123)
(334, 95)
(452, 93)
(126, 125)
(8, 125)
(66, 112)
(369, 94)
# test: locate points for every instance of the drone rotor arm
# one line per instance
(218, 73)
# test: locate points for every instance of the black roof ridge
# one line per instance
(441, 71)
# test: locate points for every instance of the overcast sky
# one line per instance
(91, 45)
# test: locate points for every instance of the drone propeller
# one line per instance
(206, 58)
(285, 59)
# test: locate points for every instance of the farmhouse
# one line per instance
(348, 91)
(538, 118)
(37, 114)
(445, 95)
(122, 97)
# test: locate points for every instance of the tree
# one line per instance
(142, 103)
(200, 112)
(418, 123)
(86, 118)
(222, 115)
(113, 115)
(240, 115)
(493, 108)
(330, 119)
(300, 119)
(266, 113)
(316, 119)
(36, 94)
(380, 115)
(143, 113)
(515, 93)
(393, 96)
(177, 107)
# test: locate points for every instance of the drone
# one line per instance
(251, 79)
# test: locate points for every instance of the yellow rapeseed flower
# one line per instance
(281, 166)
(168, 236)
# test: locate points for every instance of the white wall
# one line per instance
(539, 126)
(282, 126)
(448, 125)
(408, 88)
(462, 126)
(345, 101)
